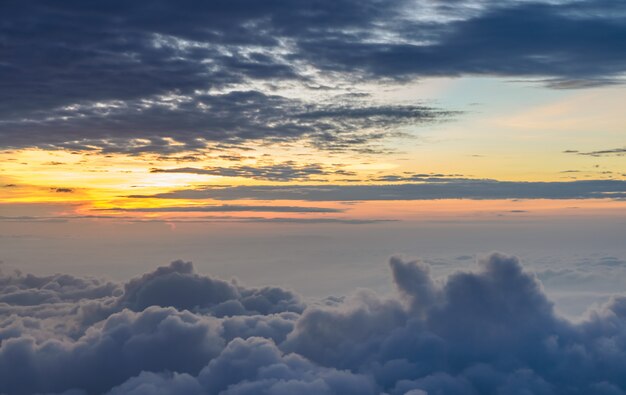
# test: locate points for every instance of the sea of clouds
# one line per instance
(490, 330)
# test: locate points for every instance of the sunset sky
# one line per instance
(110, 112)
(329, 197)
(241, 121)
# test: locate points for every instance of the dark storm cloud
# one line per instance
(286, 171)
(228, 209)
(487, 331)
(128, 77)
(438, 189)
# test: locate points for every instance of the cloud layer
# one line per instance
(178, 76)
(173, 331)
(286, 171)
(228, 209)
(431, 188)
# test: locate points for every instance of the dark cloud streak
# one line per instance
(600, 153)
(227, 208)
(286, 171)
(437, 189)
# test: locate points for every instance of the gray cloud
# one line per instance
(254, 366)
(420, 177)
(277, 220)
(179, 286)
(62, 190)
(437, 189)
(514, 38)
(607, 152)
(346, 221)
(69, 328)
(127, 78)
(30, 218)
(228, 208)
(286, 171)
(492, 330)
(201, 219)
(193, 122)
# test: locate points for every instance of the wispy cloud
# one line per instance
(606, 152)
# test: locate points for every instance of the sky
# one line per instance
(301, 145)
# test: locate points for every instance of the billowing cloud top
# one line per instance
(173, 331)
